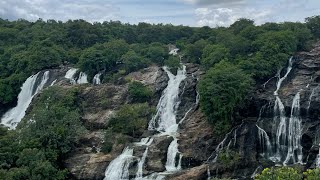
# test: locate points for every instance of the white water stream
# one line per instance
(166, 123)
(28, 90)
(96, 79)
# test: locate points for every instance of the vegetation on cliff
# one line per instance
(36, 149)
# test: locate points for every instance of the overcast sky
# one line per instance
(187, 12)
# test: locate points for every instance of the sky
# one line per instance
(186, 12)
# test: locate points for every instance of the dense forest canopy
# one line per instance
(233, 58)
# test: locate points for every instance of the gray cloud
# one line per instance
(58, 9)
(215, 2)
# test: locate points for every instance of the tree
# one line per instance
(133, 62)
(213, 54)
(241, 24)
(157, 53)
(139, 93)
(313, 24)
(223, 89)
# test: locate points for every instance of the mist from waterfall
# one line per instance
(28, 90)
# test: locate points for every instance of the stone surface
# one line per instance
(157, 155)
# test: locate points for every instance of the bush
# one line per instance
(223, 89)
(283, 173)
(108, 141)
(312, 174)
(131, 119)
(228, 158)
(173, 63)
(139, 93)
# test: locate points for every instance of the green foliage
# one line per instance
(133, 61)
(213, 54)
(223, 89)
(157, 53)
(131, 119)
(139, 93)
(283, 173)
(228, 158)
(312, 174)
(313, 24)
(173, 62)
(108, 141)
(43, 138)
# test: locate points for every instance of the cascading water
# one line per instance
(294, 154)
(83, 78)
(279, 116)
(118, 169)
(165, 118)
(96, 79)
(147, 142)
(70, 75)
(286, 147)
(28, 90)
(165, 122)
(264, 141)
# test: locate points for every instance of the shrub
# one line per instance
(131, 119)
(283, 173)
(228, 158)
(139, 93)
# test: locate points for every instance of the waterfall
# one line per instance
(96, 79)
(294, 133)
(284, 77)
(166, 123)
(28, 90)
(208, 173)
(165, 118)
(287, 140)
(70, 75)
(281, 131)
(147, 142)
(83, 78)
(119, 167)
(318, 159)
(311, 95)
(279, 116)
(264, 141)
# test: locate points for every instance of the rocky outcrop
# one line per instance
(98, 104)
(157, 155)
(199, 145)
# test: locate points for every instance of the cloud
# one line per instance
(226, 16)
(58, 9)
(214, 2)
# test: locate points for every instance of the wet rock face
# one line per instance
(157, 155)
(98, 105)
(303, 78)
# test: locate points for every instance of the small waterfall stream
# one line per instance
(294, 154)
(28, 90)
(83, 78)
(118, 169)
(96, 79)
(70, 75)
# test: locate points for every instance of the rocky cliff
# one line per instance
(253, 144)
